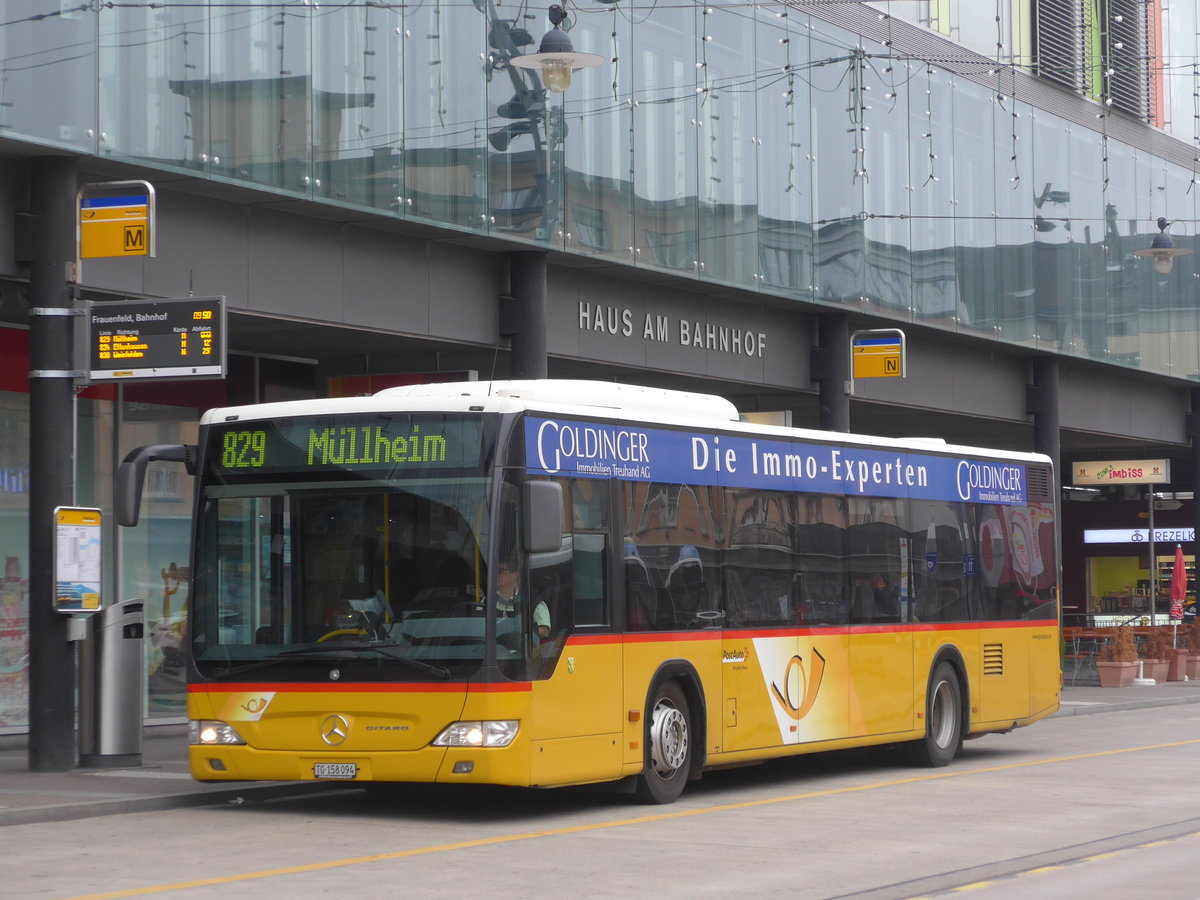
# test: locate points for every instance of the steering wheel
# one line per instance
(340, 632)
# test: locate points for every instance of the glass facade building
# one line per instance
(756, 145)
(980, 168)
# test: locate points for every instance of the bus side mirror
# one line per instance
(543, 516)
(131, 475)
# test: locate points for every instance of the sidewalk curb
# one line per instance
(248, 793)
(1090, 707)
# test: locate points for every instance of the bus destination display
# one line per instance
(379, 446)
(147, 340)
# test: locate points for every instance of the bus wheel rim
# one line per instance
(668, 739)
(942, 715)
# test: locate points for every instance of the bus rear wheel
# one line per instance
(668, 743)
(943, 720)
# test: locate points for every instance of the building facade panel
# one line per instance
(202, 248)
(464, 290)
(385, 282)
(306, 285)
(1100, 401)
(986, 382)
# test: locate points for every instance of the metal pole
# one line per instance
(51, 459)
(1153, 557)
(1192, 424)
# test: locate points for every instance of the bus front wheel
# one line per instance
(668, 743)
(943, 720)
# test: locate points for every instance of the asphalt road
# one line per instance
(1078, 806)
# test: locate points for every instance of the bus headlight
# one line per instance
(212, 731)
(499, 733)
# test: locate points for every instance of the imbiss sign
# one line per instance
(1122, 471)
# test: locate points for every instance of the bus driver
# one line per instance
(508, 601)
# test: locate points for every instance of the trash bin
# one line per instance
(111, 686)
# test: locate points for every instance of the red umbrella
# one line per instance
(1178, 584)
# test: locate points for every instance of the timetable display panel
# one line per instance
(152, 339)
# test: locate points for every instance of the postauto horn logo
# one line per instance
(798, 708)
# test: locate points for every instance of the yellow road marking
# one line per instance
(1041, 869)
(618, 823)
(973, 887)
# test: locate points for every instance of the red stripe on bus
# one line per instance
(651, 637)
(400, 687)
(841, 630)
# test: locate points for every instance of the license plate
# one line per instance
(335, 770)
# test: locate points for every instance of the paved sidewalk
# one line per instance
(163, 782)
(1083, 699)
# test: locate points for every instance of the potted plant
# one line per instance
(1117, 659)
(1178, 659)
(1156, 653)
(1193, 643)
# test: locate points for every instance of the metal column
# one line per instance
(1041, 400)
(523, 314)
(830, 368)
(51, 458)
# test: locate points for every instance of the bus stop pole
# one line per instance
(1192, 426)
(1153, 555)
(51, 457)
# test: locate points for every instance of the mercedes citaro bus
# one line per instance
(546, 583)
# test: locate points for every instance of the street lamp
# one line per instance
(556, 58)
(1163, 250)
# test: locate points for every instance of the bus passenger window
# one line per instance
(641, 596)
(685, 584)
(590, 605)
(589, 504)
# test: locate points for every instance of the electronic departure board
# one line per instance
(152, 339)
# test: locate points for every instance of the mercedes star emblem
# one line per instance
(334, 730)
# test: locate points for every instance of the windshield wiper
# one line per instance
(382, 649)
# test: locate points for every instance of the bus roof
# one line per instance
(574, 397)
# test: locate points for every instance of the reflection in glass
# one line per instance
(665, 124)
(784, 154)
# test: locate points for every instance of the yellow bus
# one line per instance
(550, 583)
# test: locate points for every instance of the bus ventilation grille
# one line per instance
(993, 659)
(1040, 483)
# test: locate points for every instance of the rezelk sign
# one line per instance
(1137, 535)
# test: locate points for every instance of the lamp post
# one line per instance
(1163, 251)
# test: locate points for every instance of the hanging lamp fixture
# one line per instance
(1162, 250)
(557, 59)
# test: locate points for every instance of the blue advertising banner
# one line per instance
(633, 453)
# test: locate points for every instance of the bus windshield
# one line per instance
(369, 567)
